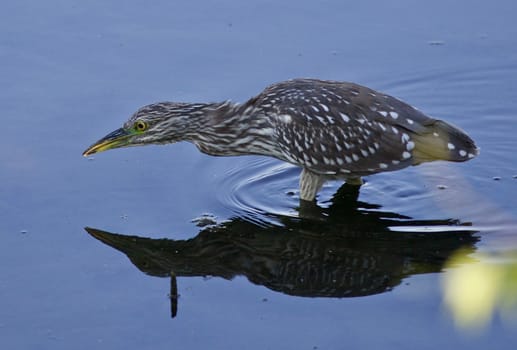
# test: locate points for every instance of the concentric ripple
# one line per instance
(264, 189)
(262, 186)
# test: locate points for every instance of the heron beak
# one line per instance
(116, 139)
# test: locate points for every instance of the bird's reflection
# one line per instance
(345, 250)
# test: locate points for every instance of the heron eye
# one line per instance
(140, 126)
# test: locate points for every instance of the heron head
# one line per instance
(158, 123)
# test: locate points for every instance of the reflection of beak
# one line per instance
(116, 139)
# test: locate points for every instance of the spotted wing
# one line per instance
(342, 128)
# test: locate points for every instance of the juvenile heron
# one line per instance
(333, 130)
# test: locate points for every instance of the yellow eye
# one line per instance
(140, 126)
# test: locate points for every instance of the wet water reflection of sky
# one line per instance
(361, 270)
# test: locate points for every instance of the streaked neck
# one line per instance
(230, 129)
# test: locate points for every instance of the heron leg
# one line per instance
(310, 184)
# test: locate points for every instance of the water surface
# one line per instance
(361, 269)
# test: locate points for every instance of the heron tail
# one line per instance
(442, 141)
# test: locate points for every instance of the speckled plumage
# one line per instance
(331, 129)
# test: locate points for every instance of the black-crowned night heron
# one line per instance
(333, 130)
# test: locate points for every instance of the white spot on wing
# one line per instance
(383, 113)
(462, 153)
(450, 146)
(344, 117)
(325, 108)
(406, 155)
(394, 115)
(321, 119)
(410, 145)
(383, 165)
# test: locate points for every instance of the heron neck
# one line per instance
(233, 129)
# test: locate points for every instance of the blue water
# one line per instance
(262, 277)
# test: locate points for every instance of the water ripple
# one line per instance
(262, 186)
